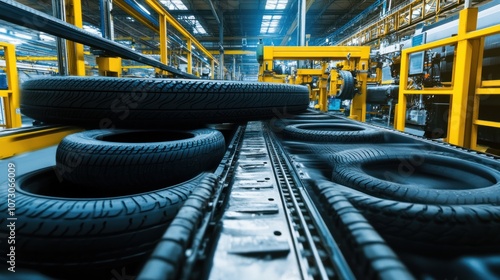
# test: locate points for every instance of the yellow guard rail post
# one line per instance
(10, 95)
(76, 60)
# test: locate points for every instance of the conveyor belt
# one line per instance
(270, 228)
(271, 211)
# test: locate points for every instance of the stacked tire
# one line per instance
(426, 200)
(115, 188)
(421, 201)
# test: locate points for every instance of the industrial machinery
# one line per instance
(433, 68)
(262, 188)
(330, 72)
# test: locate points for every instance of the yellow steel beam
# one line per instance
(312, 72)
(233, 52)
(137, 67)
(433, 91)
(488, 91)
(157, 7)
(490, 83)
(11, 100)
(315, 52)
(17, 141)
(37, 58)
(76, 61)
(487, 123)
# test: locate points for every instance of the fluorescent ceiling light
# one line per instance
(197, 27)
(92, 29)
(143, 8)
(174, 4)
(269, 23)
(23, 36)
(276, 4)
(44, 37)
(10, 40)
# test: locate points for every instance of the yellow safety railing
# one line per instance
(10, 96)
(165, 18)
(400, 18)
(466, 87)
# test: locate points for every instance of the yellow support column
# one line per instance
(76, 62)
(358, 104)
(163, 40)
(466, 52)
(323, 100)
(400, 109)
(189, 56)
(10, 96)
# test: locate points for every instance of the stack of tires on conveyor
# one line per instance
(117, 186)
(399, 206)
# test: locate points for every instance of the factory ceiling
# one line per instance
(274, 21)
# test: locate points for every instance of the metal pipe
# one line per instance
(301, 31)
(214, 12)
(234, 67)
(106, 19)
(467, 4)
(221, 48)
(59, 11)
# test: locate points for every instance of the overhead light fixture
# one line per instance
(44, 37)
(11, 40)
(23, 36)
(144, 9)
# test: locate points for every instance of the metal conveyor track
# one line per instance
(270, 227)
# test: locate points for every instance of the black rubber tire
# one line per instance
(333, 132)
(60, 228)
(105, 102)
(137, 160)
(347, 89)
(469, 228)
(417, 177)
(422, 227)
(368, 254)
